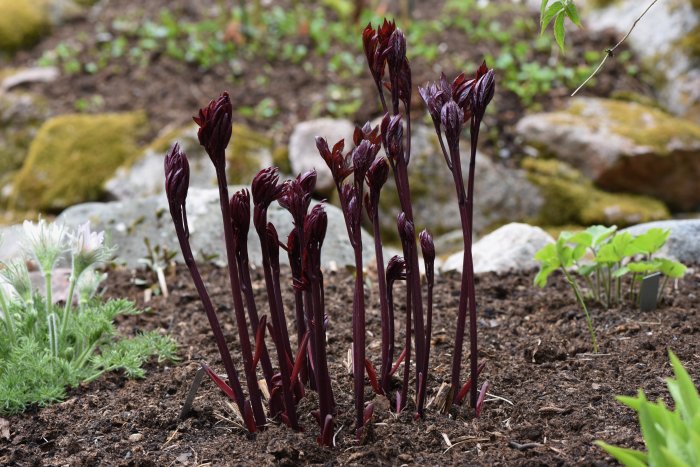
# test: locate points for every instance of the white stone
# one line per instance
(304, 156)
(510, 248)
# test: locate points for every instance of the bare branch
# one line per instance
(610, 52)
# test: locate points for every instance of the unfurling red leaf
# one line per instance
(259, 340)
(221, 384)
(482, 397)
(300, 356)
(372, 374)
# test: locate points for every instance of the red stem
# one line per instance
(275, 311)
(231, 373)
(251, 377)
(386, 319)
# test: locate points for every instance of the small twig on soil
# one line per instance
(336, 434)
(523, 447)
(499, 398)
(588, 355)
(553, 410)
(447, 440)
(610, 52)
(466, 440)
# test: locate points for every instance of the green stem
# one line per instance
(84, 355)
(69, 302)
(662, 291)
(581, 302)
(47, 283)
(608, 287)
(8, 318)
(619, 284)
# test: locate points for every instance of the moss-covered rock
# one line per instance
(22, 23)
(248, 153)
(623, 147)
(21, 115)
(570, 198)
(72, 156)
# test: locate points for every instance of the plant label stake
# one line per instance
(187, 406)
(649, 292)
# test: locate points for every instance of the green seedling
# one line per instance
(563, 257)
(672, 438)
(602, 258)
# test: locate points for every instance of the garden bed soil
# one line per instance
(550, 398)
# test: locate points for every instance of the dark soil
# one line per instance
(550, 397)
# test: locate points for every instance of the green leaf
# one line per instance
(670, 458)
(684, 393)
(543, 6)
(628, 457)
(587, 269)
(547, 253)
(552, 10)
(543, 275)
(572, 13)
(670, 268)
(559, 32)
(650, 241)
(621, 272)
(643, 267)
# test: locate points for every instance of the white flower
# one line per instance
(45, 241)
(88, 284)
(14, 279)
(88, 248)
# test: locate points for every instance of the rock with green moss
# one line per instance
(570, 198)
(667, 39)
(71, 158)
(22, 24)
(248, 152)
(501, 194)
(623, 147)
(21, 115)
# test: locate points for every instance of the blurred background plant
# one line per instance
(506, 32)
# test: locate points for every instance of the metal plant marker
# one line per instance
(187, 406)
(649, 292)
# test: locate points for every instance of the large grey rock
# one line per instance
(144, 177)
(303, 154)
(684, 242)
(500, 194)
(623, 146)
(510, 248)
(664, 39)
(128, 223)
(11, 238)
